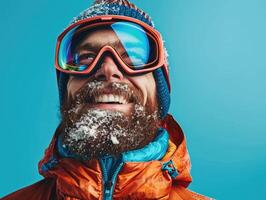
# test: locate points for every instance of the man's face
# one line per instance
(128, 102)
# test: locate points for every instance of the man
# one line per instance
(115, 139)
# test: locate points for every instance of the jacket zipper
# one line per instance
(108, 185)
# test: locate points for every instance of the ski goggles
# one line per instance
(136, 47)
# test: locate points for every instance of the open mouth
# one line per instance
(98, 93)
(107, 101)
(110, 99)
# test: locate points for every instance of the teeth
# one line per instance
(110, 98)
(120, 99)
(100, 99)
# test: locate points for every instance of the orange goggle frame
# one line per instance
(159, 62)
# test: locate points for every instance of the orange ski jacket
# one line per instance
(70, 179)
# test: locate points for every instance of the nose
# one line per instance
(108, 70)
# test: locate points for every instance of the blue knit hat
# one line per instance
(124, 8)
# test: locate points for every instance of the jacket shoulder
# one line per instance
(41, 190)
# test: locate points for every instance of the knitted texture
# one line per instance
(124, 8)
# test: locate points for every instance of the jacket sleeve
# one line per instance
(41, 190)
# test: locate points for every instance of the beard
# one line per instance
(89, 133)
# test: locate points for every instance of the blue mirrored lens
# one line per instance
(67, 60)
(135, 42)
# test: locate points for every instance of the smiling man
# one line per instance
(115, 139)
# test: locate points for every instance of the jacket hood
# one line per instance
(84, 178)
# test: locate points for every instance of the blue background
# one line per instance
(218, 68)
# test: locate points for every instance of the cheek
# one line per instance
(74, 85)
(146, 84)
(151, 92)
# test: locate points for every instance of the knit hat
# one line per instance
(124, 8)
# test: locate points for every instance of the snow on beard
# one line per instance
(91, 133)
